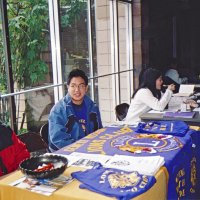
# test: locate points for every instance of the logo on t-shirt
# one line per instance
(83, 124)
(80, 112)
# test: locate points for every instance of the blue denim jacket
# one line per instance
(64, 128)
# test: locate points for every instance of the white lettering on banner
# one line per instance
(154, 143)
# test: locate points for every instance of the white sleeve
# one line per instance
(147, 98)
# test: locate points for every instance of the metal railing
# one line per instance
(56, 85)
(4, 99)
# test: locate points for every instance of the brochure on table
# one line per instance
(42, 186)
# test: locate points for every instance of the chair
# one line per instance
(44, 130)
(34, 143)
(121, 111)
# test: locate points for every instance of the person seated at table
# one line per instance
(148, 96)
(173, 73)
(74, 116)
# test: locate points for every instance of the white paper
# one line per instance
(71, 159)
(197, 109)
(185, 90)
(147, 165)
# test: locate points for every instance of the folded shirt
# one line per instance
(176, 128)
(114, 183)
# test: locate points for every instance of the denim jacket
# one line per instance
(64, 128)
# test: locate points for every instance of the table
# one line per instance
(174, 149)
(195, 121)
(72, 191)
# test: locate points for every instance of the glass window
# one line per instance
(32, 109)
(74, 36)
(94, 36)
(29, 40)
(28, 23)
(3, 78)
(4, 106)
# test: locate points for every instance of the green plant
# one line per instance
(3, 85)
(71, 10)
(28, 35)
(28, 23)
(28, 30)
(22, 131)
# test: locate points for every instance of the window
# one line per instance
(48, 40)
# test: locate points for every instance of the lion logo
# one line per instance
(122, 180)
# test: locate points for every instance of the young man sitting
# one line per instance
(74, 116)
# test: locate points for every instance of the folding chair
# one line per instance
(34, 143)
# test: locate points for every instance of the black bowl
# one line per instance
(29, 166)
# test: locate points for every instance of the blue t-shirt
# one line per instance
(80, 112)
(114, 183)
(176, 128)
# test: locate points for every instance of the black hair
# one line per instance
(77, 73)
(148, 80)
(121, 111)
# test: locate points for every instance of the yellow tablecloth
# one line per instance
(72, 191)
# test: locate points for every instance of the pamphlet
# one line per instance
(42, 186)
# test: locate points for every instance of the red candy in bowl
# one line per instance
(44, 166)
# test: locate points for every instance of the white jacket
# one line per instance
(144, 101)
